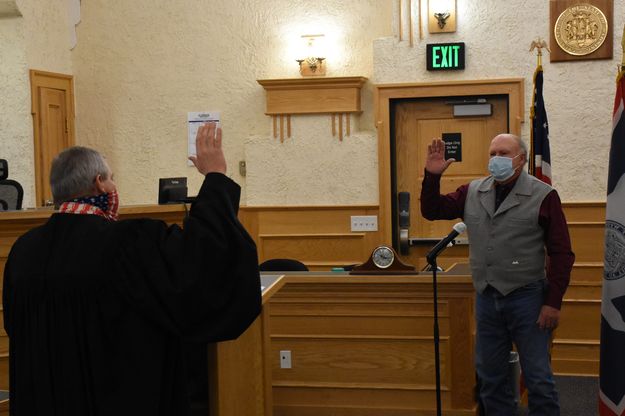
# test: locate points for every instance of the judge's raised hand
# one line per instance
(209, 154)
(435, 162)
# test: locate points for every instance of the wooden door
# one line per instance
(416, 122)
(53, 125)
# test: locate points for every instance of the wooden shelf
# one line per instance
(313, 95)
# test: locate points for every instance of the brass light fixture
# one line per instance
(314, 62)
(441, 16)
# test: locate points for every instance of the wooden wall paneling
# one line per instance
(4, 372)
(576, 342)
(576, 358)
(227, 385)
(580, 322)
(587, 272)
(266, 339)
(579, 331)
(365, 347)
(359, 362)
(302, 401)
(320, 250)
(461, 335)
(588, 212)
(320, 237)
(588, 241)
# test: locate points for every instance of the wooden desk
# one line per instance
(239, 371)
(360, 345)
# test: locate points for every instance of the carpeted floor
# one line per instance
(578, 396)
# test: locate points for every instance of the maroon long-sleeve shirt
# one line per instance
(435, 206)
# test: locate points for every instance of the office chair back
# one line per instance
(4, 169)
(11, 195)
(282, 265)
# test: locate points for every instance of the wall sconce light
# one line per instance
(441, 16)
(314, 62)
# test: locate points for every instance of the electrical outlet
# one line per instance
(285, 359)
(364, 222)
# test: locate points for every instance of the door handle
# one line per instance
(404, 222)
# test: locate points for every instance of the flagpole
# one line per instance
(537, 44)
(623, 50)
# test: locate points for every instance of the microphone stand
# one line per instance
(431, 258)
(437, 363)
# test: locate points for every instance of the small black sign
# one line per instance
(445, 56)
(453, 146)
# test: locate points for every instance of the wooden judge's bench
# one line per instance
(359, 345)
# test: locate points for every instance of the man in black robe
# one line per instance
(97, 311)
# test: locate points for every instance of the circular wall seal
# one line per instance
(614, 250)
(581, 29)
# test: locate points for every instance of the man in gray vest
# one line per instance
(514, 221)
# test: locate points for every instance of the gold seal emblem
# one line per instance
(581, 29)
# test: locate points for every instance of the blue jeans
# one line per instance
(501, 321)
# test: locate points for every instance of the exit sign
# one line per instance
(445, 56)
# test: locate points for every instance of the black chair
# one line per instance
(282, 265)
(11, 192)
(11, 195)
(4, 169)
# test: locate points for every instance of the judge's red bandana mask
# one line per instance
(105, 205)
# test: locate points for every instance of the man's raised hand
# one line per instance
(209, 154)
(435, 162)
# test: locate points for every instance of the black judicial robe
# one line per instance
(97, 311)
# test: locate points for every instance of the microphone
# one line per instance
(458, 228)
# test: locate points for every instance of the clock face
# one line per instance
(383, 257)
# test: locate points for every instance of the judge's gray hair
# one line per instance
(74, 171)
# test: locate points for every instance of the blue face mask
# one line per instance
(501, 167)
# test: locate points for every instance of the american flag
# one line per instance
(540, 157)
(612, 364)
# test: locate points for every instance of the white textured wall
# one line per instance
(37, 40)
(312, 167)
(579, 96)
(15, 120)
(140, 68)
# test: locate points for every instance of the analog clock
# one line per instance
(383, 260)
(383, 257)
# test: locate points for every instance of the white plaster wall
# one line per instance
(15, 120)
(312, 167)
(37, 40)
(46, 35)
(141, 66)
(579, 96)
